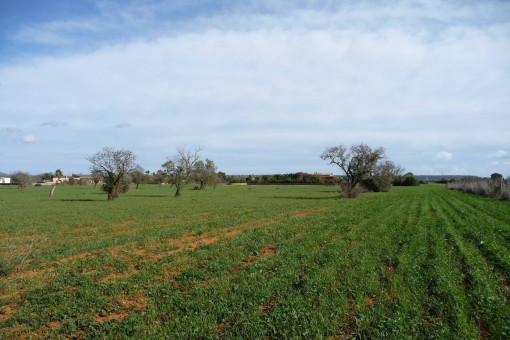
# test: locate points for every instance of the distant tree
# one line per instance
(358, 162)
(22, 179)
(59, 174)
(71, 181)
(96, 177)
(496, 177)
(382, 176)
(204, 173)
(159, 177)
(114, 166)
(222, 177)
(138, 176)
(181, 167)
(46, 176)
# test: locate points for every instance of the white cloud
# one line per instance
(10, 130)
(122, 125)
(28, 139)
(498, 154)
(54, 123)
(444, 155)
(305, 79)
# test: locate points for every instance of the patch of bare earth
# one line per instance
(190, 243)
(128, 304)
(268, 250)
(121, 224)
(10, 295)
(74, 257)
(267, 306)
(308, 212)
(7, 312)
(83, 230)
(118, 276)
(110, 317)
(221, 328)
(27, 274)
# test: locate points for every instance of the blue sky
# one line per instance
(263, 86)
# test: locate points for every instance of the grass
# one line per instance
(266, 262)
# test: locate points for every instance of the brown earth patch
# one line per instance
(348, 329)
(54, 325)
(117, 276)
(6, 312)
(74, 257)
(370, 301)
(266, 251)
(9, 237)
(82, 230)
(190, 243)
(267, 306)
(308, 212)
(221, 328)
(10, 295)
(121, 224)
(27, 274)
(138, 303)
(110, 317)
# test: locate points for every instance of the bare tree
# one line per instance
(113, 165)
(96, 177)
(181, 167)
(22, 179)
(382, 176)
(357, 163)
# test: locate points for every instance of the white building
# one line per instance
(5, 180)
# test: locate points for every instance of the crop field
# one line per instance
(260, 262)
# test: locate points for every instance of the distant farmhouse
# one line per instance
(83, 178)
(328, 176)
(56, 180)
(5, 178)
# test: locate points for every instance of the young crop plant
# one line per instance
(294, 262)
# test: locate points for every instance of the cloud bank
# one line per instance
(267, 88)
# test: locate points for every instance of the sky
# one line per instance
(263, 86)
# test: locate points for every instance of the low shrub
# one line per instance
(377, 184)
(406, 181)
(498, 188)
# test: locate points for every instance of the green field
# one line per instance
(265, 262)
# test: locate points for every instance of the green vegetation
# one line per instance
(254, 262)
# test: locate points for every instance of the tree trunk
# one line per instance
(137, 185)
(178, 192)
(52, 190)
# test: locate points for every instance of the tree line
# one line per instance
(117, 168)
(364, 169)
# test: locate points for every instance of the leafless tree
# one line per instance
(357, 163)
(181, 167)
(113, 165)
(22, 179)
(96, 177)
